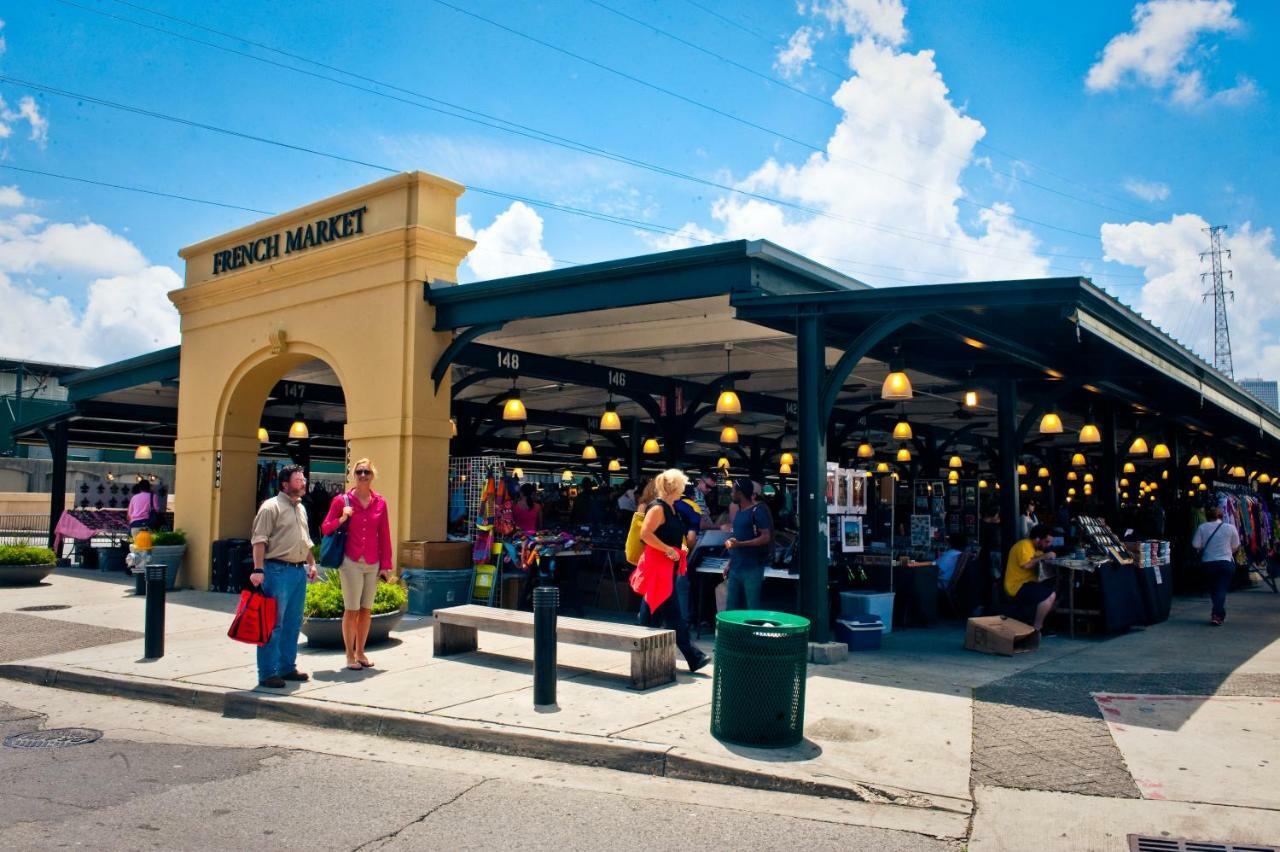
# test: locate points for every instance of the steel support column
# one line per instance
(811, 367)
(56, 438)
(1010, 446)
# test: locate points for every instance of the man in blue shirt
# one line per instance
(750, 548)
(948, 560)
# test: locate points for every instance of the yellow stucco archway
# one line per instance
(261, 300)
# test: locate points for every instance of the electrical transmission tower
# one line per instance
(1221, 334)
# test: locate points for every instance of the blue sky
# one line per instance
(926, 141)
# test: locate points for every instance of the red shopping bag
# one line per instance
(255, 618)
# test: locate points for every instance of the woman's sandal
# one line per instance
(365, 664)
(355, 666)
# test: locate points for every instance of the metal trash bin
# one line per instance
(758, 694)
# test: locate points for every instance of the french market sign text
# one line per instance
(317, 233)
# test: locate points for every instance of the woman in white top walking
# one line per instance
(1217, 541)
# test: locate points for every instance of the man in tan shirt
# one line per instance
(282, 565)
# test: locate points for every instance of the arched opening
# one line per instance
(289, 409)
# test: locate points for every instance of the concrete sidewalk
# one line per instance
(898, 729)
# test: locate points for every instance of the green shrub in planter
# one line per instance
(169, 538)
(324, 598)
(20, 554)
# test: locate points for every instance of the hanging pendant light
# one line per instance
(263, 437)
(1130, 467)
(1124, 483)
(953, 477)
(1071, 492)
(142, 452)
(1264, 479)
(1194, 461)
(589, 451)
(1195, 480)
(1164, 474)
(1043, 473)
(866, 451)
(1078, 460)
(882, 467)
(298, 428)
(517, 472)
(728, 402)
(1088, 489)
(651, 447)
(897, 386)
(787, 458)
(1072, 476)
(1138, 447)
(524, 448)
(1088, 477)
(513, 409)
(1090, 434)
(904, 455)
(1124, 495)
(610, 421)
(614, 465)
(902, 429)
(1037, 489)
(1051, 424)
(971, 399)
(955, 462)
(982, 483)
(1160, 451)
(453, 428)
(1022, 487)
(723, 463)
(1022, 470)
(728, 435)
(567, 476)
(784, 469)
(1206, 463)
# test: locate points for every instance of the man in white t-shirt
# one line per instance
(1217, 541)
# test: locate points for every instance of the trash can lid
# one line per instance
(757, 618)
(863, 622)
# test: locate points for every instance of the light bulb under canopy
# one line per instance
(610, 421)
(513, 408)
(1130, 467)
(902, 431)
(298, 430)
(865, 450)
(787, 458)
(955, 462)
(728, 435)
(728, 402)
(1051, 424)
(142, 452)
(896, 387)
(1138, 447)
(524, 448)
(614, 465)
(263, 437)
(970, 399)
(589, 452)
(1160, 451)
(784, 469)
(1078, 460)
(904, 455)
(651, 447)
(1090, 434)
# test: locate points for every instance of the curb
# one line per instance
(625, 756)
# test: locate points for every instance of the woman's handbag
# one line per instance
(635, 547)
(333, 547)
(255, 618)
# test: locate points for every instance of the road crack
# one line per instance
(379, 841)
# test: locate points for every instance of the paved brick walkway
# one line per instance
(25, 636)
(1044, 732)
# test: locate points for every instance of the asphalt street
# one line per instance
(149, 783)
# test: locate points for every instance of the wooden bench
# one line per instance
(653, 652)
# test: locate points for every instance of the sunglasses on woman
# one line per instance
(363, 472)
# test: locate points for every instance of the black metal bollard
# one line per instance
(153, 639)
(545, 601)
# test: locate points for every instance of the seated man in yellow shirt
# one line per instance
(1031, 600)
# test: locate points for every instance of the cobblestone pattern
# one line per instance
(23, 636)
(1044, 732)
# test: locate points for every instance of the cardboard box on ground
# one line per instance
(437, 555)
(996, 634)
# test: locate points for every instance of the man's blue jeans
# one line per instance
(1220, 576)
(288, 585)
(745, 583)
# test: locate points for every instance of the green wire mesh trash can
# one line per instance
(758, 694)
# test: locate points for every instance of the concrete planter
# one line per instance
(25, 575)
(327, 632)
(171, 555)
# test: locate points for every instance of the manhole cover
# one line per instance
(43, 608)
(52, 738)
(1139, 843)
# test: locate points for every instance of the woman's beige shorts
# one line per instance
(359, 583)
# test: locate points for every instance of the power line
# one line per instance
(826, 102)
(542, 136)
(137, 189)
(746, 122)
(592, 214)
(1014, 158)
(535, 134)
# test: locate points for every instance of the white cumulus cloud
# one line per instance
(1164, 52)
(797, 54)
(1168, 253)
(881, 20)
(511, 245)
(11, 196)
(1147, 190)
(121, 311)
(888, 182)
